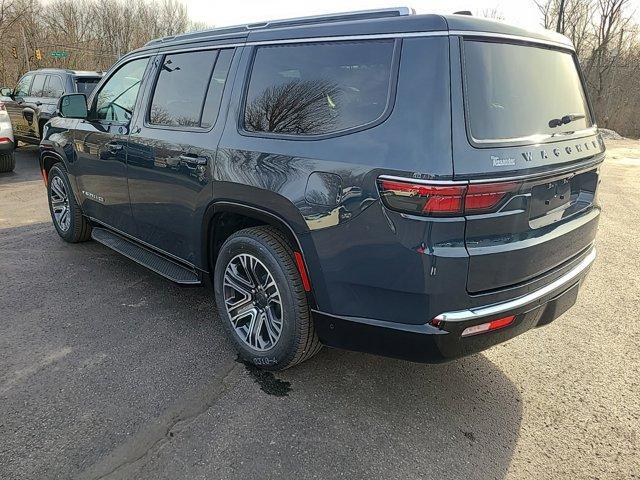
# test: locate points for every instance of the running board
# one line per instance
(146, 257)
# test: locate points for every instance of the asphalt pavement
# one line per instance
(109, 371)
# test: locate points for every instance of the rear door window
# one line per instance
(517, 91)
(216, 88)
(181, 87)
(54, 87)
(318, 88)
(37, 88)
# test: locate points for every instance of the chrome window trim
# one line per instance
(520, 38)
(477, 313)
(374, 36)
(341, 38)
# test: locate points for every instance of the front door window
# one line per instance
(116, 99)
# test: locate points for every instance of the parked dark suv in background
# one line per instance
(34, 100)
(419, 186)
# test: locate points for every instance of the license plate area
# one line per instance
(557, 199)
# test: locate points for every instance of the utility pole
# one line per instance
(560, 26)
(26, 52)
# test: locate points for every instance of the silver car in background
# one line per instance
(7, 143)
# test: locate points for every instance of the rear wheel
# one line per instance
(7, 162)
(261, 300)
(65, 212)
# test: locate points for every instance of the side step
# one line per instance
(146, 257)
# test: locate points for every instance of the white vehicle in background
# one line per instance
(7, 144)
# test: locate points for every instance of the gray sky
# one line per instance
(521, 12)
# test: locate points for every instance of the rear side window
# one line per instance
(516, 91)
(22, 89)
(53, 87)
(37, 87)
(86, 85)
(189, 89)
(311, 89)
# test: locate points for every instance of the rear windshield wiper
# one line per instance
(556, 122)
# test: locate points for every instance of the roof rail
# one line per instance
(290, 22)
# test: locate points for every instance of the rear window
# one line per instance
(311, 89)
(515, 91)
(86, 85)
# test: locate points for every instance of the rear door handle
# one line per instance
(114, 147)
(194, 159)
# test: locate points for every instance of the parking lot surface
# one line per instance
(109, 371)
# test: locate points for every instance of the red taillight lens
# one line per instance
(489, 326)
(485, 196)
(423, 199)
(444, 200)
(2, 107)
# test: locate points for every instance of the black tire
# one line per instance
(7, 162)
(297, 340)
(78, 228)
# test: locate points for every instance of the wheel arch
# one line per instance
(215, 231)
(48, 158)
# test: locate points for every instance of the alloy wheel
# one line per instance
(253, 302)
(60, 204)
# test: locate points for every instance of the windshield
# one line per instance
(517, 91)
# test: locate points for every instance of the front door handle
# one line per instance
(38, 104)
(194, 159)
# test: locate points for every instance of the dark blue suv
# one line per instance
(417, 186)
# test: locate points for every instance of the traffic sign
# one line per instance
(60, 54)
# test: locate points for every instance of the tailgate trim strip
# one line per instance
(496, 308)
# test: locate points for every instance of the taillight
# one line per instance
(2, 107)
(444, 199)
(422, 199)
(486, 196)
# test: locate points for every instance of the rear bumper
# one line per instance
(430, 344)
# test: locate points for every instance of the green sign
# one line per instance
(60, 54)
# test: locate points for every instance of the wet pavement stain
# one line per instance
(266, 380)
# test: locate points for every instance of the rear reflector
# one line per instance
(303, 271)
(444, 200)
(489, 326)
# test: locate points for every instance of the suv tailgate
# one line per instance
(525, 120)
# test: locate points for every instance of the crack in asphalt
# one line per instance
(156, 436)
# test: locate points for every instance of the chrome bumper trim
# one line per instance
(496, 308)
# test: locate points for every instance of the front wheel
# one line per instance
(65, 211)
(261, 300)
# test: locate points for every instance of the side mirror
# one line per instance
(73, 105)
(6, 92)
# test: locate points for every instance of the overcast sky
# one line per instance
(521, 12)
